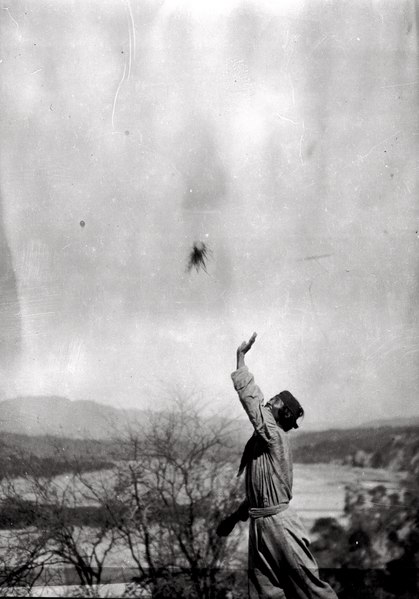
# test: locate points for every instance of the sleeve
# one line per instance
(251, 398)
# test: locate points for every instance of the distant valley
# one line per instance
(83, 419)
(90, 431)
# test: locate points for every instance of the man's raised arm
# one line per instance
(250, 395)
(243, 349)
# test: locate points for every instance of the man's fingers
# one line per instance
(251, 341)
(246, 345)
(253, 338)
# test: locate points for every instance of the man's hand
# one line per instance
(226, 526)
(243, 349)
(241, 514)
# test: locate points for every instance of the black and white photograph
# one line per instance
(209, 313)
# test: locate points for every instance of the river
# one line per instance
(319, 489)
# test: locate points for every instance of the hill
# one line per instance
(387, 443)
(393, 422)
(84, 419)
(61, 417)
(392, 447)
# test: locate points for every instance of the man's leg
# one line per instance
(263, 580)
(285, 539)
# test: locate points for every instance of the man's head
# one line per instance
(286, 410)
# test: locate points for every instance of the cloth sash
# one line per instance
(261, 512)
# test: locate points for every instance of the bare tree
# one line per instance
(169, 493)
(22, 559)
(160, 503)
(48, 532)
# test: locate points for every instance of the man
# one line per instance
(280, 563)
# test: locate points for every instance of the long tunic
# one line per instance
(280, 563)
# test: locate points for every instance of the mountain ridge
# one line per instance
(89, 419)
(60, 416)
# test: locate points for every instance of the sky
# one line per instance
(283, 135)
